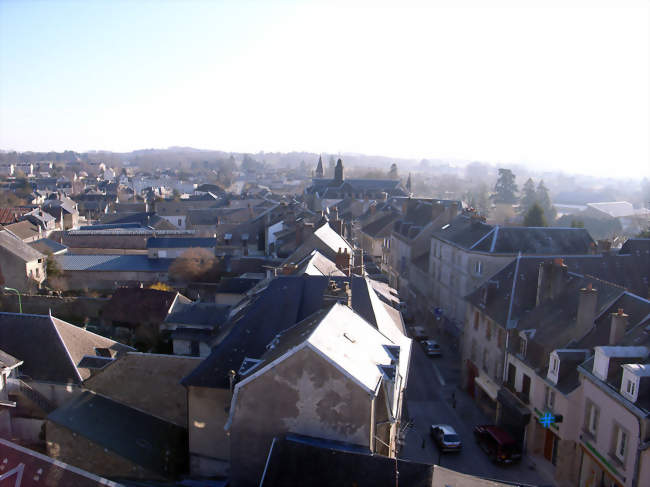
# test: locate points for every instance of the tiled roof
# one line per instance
(11, 215)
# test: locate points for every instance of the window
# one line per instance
(488, 330)
(549, 401)
(621, 443)
(37, 273)
(591, 418)
(522, 347)
(555, 365)
(478, 267)
(485, 360)
(476, 320)
(629, 386)
(501, 338)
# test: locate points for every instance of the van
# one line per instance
(497, 443)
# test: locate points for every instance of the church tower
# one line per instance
(338, 171)
(319, 168)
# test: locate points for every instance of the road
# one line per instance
(431, 384)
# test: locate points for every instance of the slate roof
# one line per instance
(18, 248)
(145, 440)
(301, 460)
(635, 246)
(381, 226)
(140, 305)
(325, 239)
(51, 349)
(209, 315)
(45, 245)
(39, 466)
(236, 285)
(180, 242)
(316, 264)
(469, 232)
(285, 301)
(614, 209)
(112, 262)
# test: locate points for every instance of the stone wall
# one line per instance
(71, 309)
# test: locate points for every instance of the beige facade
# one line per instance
(308, 395)
(209, 442)
(611, 437)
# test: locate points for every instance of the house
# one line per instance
(614, 415)
(8, 365)
(193, 324)
(82, 432)
(328, 242)
(23, 464)
(64, 210)
(465, 252)
(110, 271)
(528, 328)
(268, 310)
(21, 266)
(333, 376)
(53, 369)
(373, 235)
(140, 312)
(146, 381)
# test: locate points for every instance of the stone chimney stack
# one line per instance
(586, 315)
(618, 327)
(335, 294)
(358, 262)
(342, 261)
(551, 280)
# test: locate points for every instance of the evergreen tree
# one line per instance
(505, 189)
(392, 174)
(535, 217)
(544, 201)
(528, 196)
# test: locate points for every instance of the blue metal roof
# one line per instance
(104, 262)
(180, 243)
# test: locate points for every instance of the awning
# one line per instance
(488, 385)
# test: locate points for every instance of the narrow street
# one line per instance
(431, 384)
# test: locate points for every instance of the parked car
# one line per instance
(497, 443)
(432, 348)
(446, 437)
(418, 333)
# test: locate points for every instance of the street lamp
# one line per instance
(20, 304)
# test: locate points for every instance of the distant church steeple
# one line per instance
(319, 168)
(338, 171)
(408, 184)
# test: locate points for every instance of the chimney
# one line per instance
(603, 246)
(551, 280)
(618, 327)
(586, 315)
(342, 261)
(358, 262)
(335, 294)
(299, 232)
(373, 209)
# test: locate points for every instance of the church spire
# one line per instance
(408, 184)
(319, 167)
(338, 171)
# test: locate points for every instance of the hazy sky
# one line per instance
(555, 84)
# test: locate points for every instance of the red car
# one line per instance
(500, 446)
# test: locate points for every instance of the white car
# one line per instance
(446, 437)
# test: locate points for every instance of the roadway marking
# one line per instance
(439, 375)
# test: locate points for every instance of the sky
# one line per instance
(550, 84)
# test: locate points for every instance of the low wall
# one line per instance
(71, 309)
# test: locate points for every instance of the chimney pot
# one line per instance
(620, 312)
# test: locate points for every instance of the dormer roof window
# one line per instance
(634, 376)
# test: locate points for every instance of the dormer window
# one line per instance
(553, 368)
(630, 387)
(555, 365)
(478, 267)
(522, 346)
